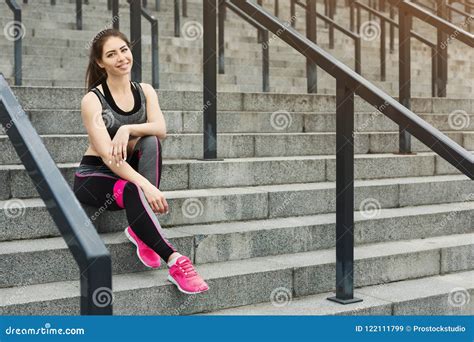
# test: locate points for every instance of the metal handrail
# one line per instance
(155, 55)
(75, 226)
(354, 36)
(348, 83)
(17, 44)
(415, 35)
(406, 12)
(440, 23)
(264, 41)
(452, 9)
(135, 31)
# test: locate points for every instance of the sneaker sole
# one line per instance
(171, 279)
(132, 240)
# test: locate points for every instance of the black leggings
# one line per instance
(96, 185)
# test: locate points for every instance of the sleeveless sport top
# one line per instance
(113, 116)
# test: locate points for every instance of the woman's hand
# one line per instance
(118, 147)
(156, 199)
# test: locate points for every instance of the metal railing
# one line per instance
(352, 35)
(348, 83)
(17, 29)
(406, 12)
(74, 225)
(155, 53)
(223, 4)
(415, 35)
(136, 12)
(465, 14)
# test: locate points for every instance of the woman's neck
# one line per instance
(118, 85)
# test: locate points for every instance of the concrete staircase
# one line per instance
(259, 225)
(55, 53)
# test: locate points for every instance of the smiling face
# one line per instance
(116, 58)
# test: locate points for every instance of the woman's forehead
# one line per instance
(113, 43)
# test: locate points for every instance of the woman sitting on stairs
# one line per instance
(124, 123)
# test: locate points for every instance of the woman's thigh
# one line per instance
(98, 190)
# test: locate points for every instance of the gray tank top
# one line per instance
(114, 120)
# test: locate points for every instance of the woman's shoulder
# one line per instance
(90, 99)
(146, 87)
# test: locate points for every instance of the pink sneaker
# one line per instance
(148, 256)
(185, 277)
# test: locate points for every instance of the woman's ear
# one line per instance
(99, 64)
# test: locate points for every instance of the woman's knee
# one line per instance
(150, 142)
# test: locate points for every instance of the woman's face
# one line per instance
(117, 58)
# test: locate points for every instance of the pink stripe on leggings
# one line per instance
(118, 192)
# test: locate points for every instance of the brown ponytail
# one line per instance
(95, 75)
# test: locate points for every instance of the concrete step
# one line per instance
(425, 296)
(195, 174)
(304, 274)
(70, 148)
(30, 260)
(203, 206)
(70, 98)
(70, 122)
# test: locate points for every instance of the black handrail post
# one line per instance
(260, 32)
(18, 41)
(265, 63)
(210, 80)
(442, 52)
(277, 8)
(78, 14)
(177, 19)
(344, 194)
(115, 15)
(155, 54)
(53, 2)
(293, 13)
(221, 33)
(358, 20)
(404, 65)
(184, 3)
(109, 5)
(157, 5)
(392, 31)
(351, 15)
(434, 71)
(311, 68)
(326, 11)
(382, 50)
(358, 55)
(135, 37)
(331, 26)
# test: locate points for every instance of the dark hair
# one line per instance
(95, 75)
